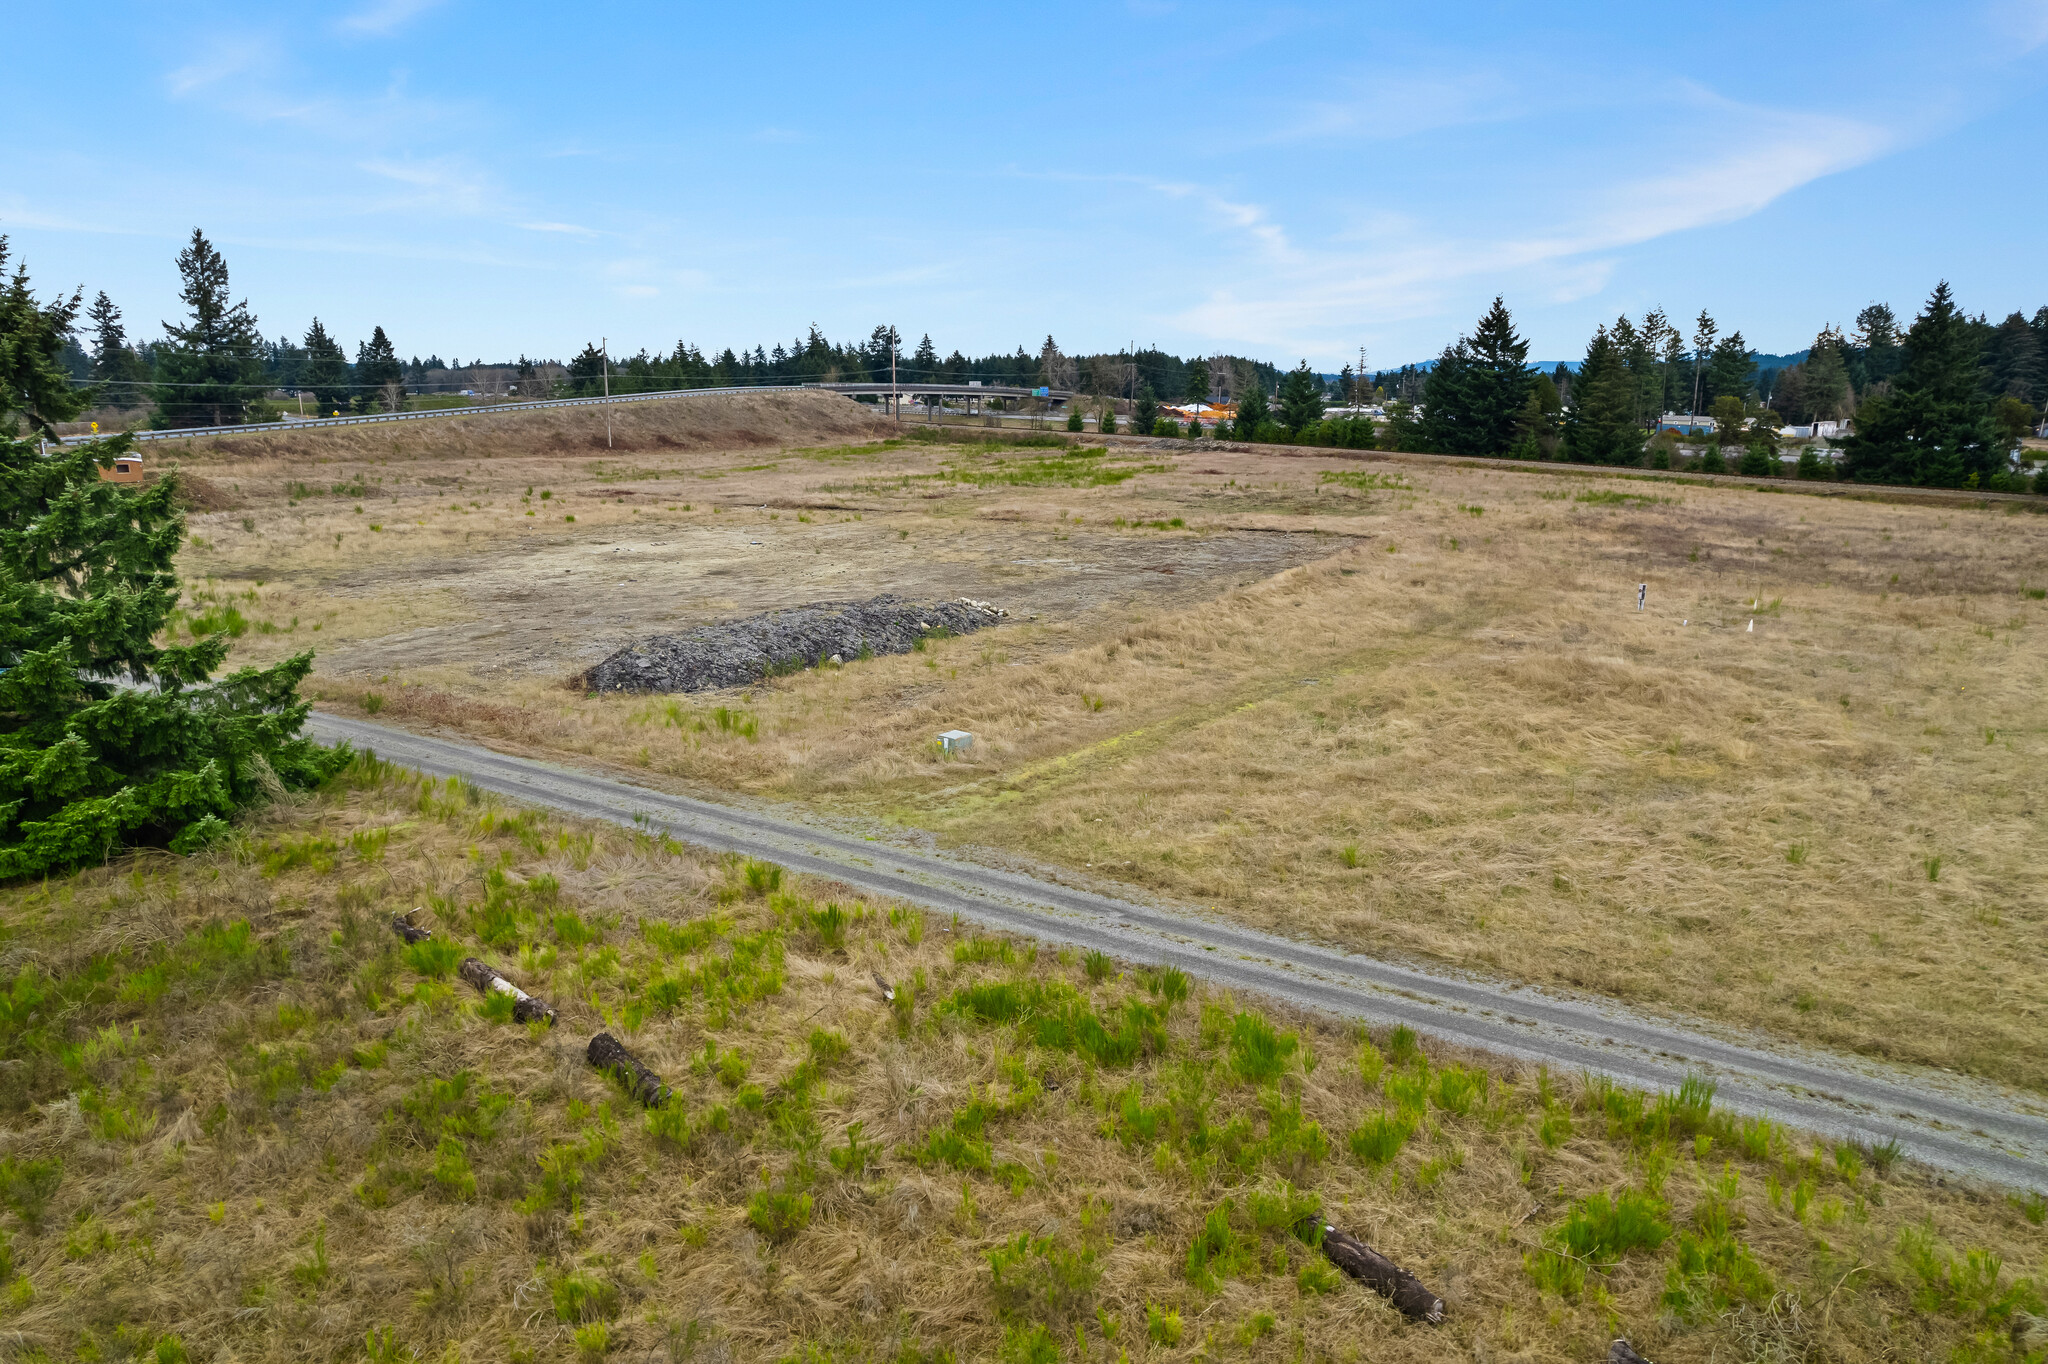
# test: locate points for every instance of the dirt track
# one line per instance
(1973, 1128)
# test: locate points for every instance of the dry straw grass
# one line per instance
(224, 1128)
(1451, 738)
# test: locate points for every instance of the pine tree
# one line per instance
(33, 381)
(2017, 365)
(1877, 356)
(925, 362)
(211, 368)
(1600, 427)
(1935, 428)
(1301, 400)
(1731, 370)
(1198, 381)
(1144, 412)
(1475, 392)
(380, 377)
(120, 374)
(107, 737)
(325, 373)
(1252, 412)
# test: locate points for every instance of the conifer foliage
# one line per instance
(1935, 427)
(106, 736)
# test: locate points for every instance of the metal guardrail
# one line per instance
(315, 423)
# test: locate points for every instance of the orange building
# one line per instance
(125, 470)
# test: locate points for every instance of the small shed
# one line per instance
(127, 469)
(953, 740)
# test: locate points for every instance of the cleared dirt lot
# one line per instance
(1404, 706)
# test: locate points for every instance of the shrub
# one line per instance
(1074, 420)
(1037, 1278)
(1258, 1051)
(1217, 1252)
(435, 958)
(779, 1214)
(27, 1185)
(1098, 966)
(1380, 1137)
(582, 1297)
(1404, 1047)
(1371, 1065)
(1600, 1229)
(1459, 1089)
(762, 878)
(829, 925)
(1169, 983)
(1162, 1324)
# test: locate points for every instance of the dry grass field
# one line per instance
(1402, 705)
(243, 1122)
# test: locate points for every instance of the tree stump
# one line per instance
(1383, 1276)
(609, 1055)
(525, 1008)
(1621, 1352)
(402, 925)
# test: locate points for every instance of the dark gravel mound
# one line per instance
(743, 651)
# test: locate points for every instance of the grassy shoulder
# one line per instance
(241, 1114)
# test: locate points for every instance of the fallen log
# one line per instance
(525, 1008)
(1382, 1275)
(404, 927)
(1621, 1352)
(609, 1055)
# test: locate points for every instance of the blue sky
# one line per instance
(1286, 181)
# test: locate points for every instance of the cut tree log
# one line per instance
(1382, 1275)
(525, 1008)
(609, 1055)
(402, 925)
(1621, 1352)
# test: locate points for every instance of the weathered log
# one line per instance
(609, 1055)
(1382, 1275)
(1621, 1352)
(525, 1008)
(888, 990)
(402, 925)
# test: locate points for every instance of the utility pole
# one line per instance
(895, 402)
(604, 343)
(1358, 389)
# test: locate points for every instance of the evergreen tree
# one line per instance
(2017, 365)
(1251, 411)
(1599, 426)
(925, 362)
(380, 377)
(33, 381)
(1301, 400)
(1198, 381)
(1144, 412)
(1876, 355)
(1935, 428)
(210, 368)
(325, 372)
(119, 372)
(1704, 330)
(1731, 370)
(86, 588)
(1475, 392)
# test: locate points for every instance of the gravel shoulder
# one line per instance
(1946, 1121)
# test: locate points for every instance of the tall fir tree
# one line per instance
(106, 736)
(1731, 370)
(2018, 368)
(33, 380)
(120, 374)
(1198, 381)
(380, 378)
(1473, 399)
(1301, 399)
(325, 373)
(210, 367)
(1599, 424)
(1252, 412)
(1935, 427)
(1874, 355)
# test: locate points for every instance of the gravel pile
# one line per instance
(743, 651)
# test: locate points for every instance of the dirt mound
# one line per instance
(755, 647)
(710, 422)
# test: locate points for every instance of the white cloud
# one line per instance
(383, 17)
(1307, 298)
(443, 184)
(567, 229)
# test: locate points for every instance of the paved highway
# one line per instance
(1944, 1120)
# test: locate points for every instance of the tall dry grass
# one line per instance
(259, 1128)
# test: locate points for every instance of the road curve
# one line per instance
(1943, 1120)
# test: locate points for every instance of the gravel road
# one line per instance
(1947, 1121)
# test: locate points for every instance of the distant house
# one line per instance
(124, 471)
(1831, 430)
(1686, 423)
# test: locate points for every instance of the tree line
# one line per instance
(1944, 402)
